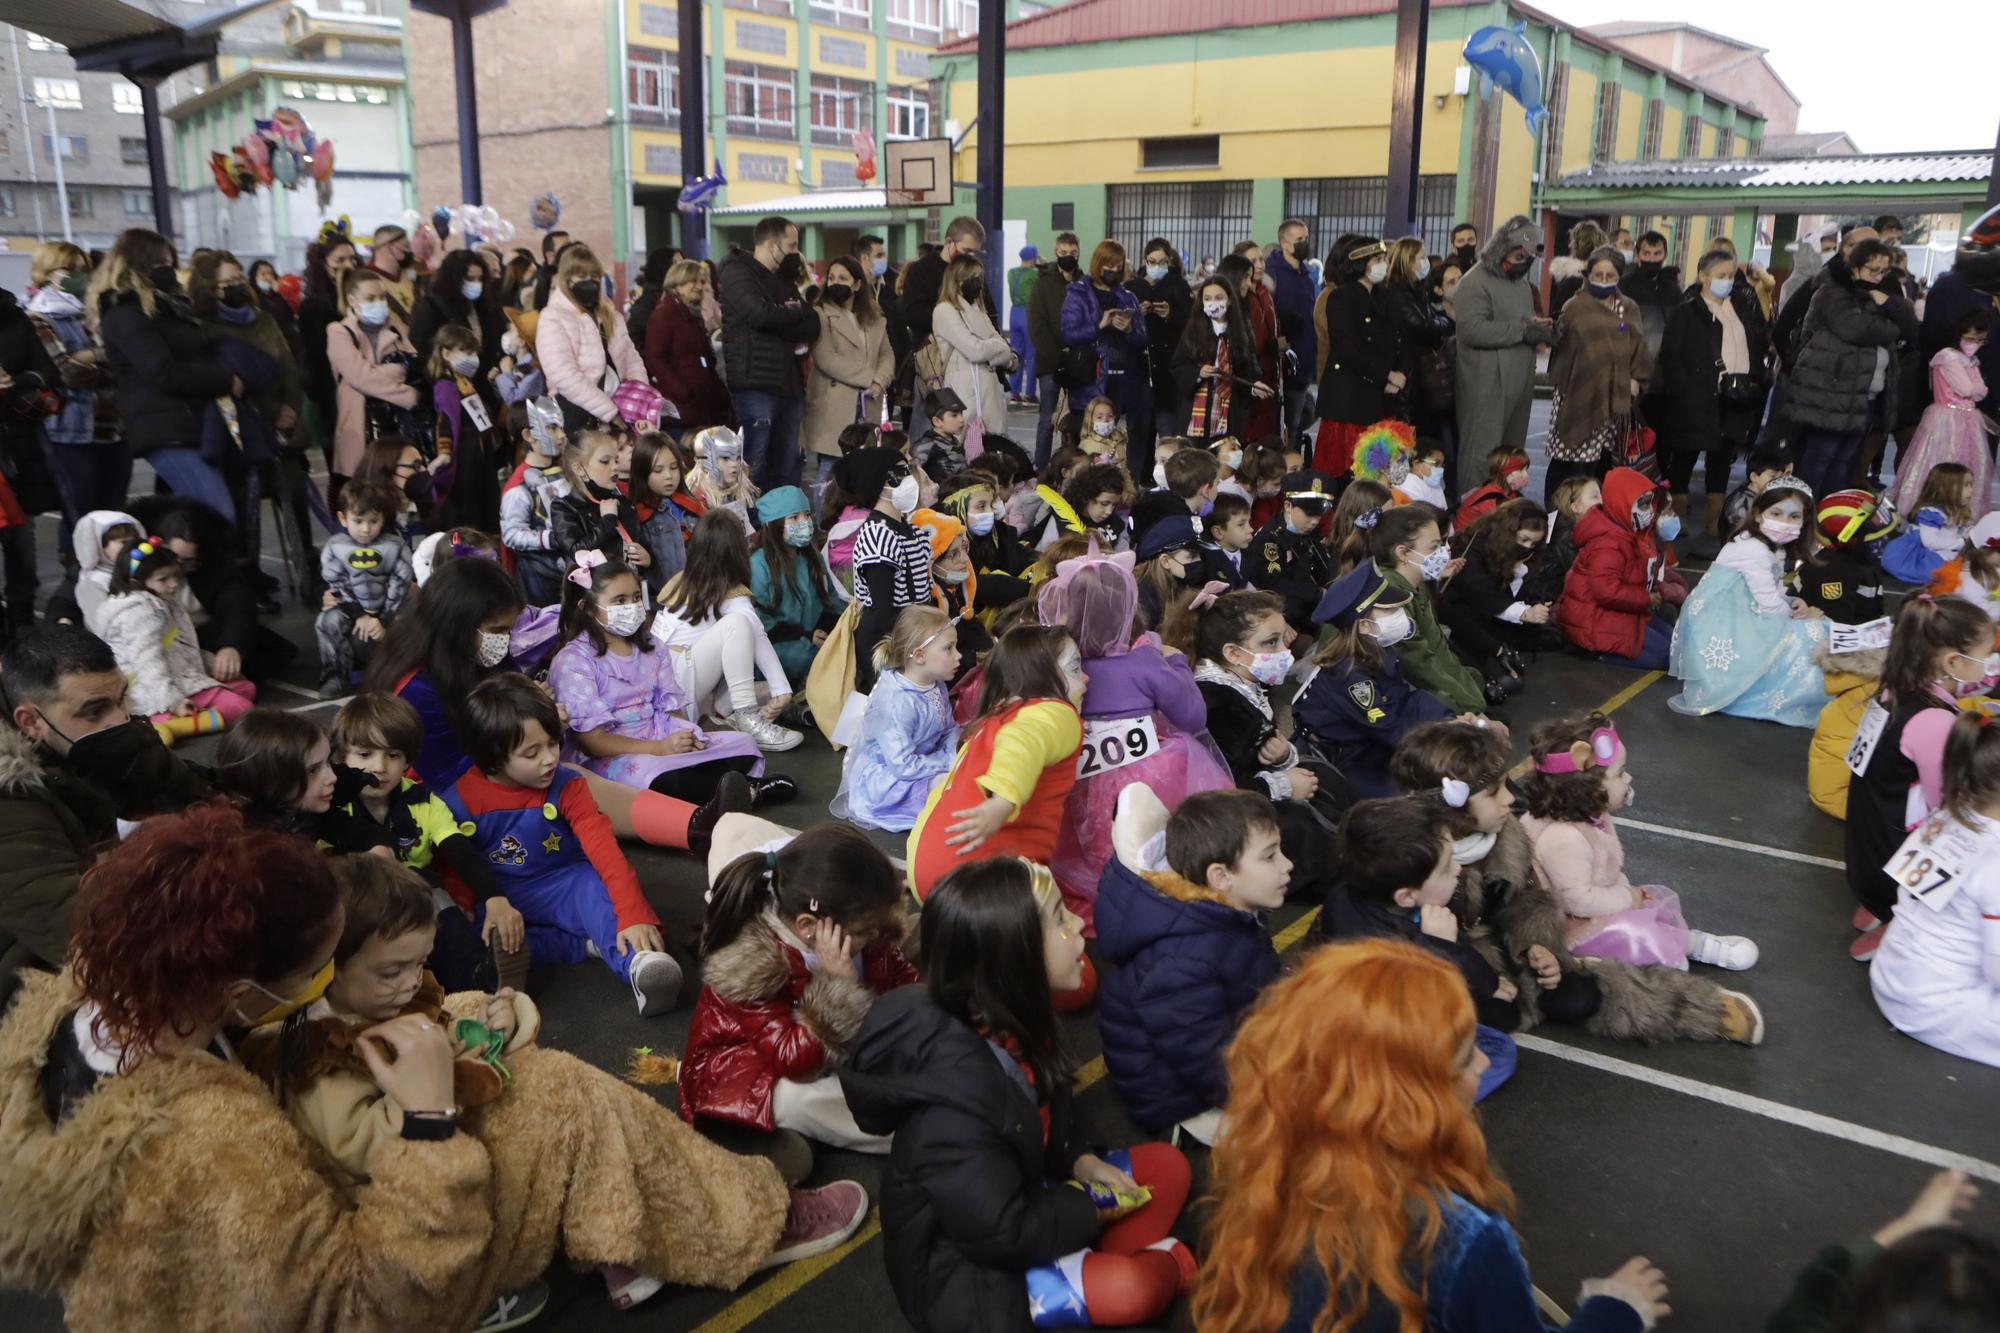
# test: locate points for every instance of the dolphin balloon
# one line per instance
(1503, 57)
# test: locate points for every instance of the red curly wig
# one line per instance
(1344, 1098)
(188, 904)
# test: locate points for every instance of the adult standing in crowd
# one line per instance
(162, 369)
(766, 327)
(320, 307)
(462, 292)
(1567, 271)
(976, 358)
(1422, 325)
(1786, 328)
(579, 337)
(1106, 338)
(391, 257)
(1465, 246)
(1045, 303)
(1214, 353)
(1020, 282)
(1655, 285)
(1256, 415)
(923, 278)
(266, 285)
(371, 359)
(250, 343)
(1498, 333)
(92, 468)
(1292, 295)
(1166, 300)
(1363, 381)
(1599, 369)
(1708, 387)
(652, 284)
(851, 363)
(679, 355)
(1844, 383)
(1265, 418)
(29, 388)
(553, 244)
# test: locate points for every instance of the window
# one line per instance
(6, 201)
(1604, 141)
(79, 203)
(74, 147)
(1197, 218)
(836, 108)
(125, 98)
(1187, 152)
(758, 101)
(961, 18)
(62, 94)
(915, 16)
(844, 13)
(837, 174)
(659, 20)
(1656, 128)
(909, 115)
(1691, 137)
(763, 167)
(37, 42)
(1062, 217)
(1725, 142)
(1557, 101)
(654, 84)
(335, 92)
(138, 203)
(1332, 205)
(132, 150)
(6, 146)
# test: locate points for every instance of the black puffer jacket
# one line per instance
(970, 1200)
(763, 319)
(164, 371)
(1828, 387)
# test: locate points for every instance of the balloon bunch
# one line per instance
(477, 223)
(280, 151)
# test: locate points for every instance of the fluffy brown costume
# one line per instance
(179, 1196)
(1512, 912)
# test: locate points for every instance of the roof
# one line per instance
(79, 24)
(817, 201)
(1954, 167)
(1640, 27)
(1699, 77)
(1821, 143)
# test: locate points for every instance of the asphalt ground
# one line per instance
(1728, 1166)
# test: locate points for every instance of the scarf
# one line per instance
(55, 303)
(1210, 414)
(246, 314)
(1472, 848)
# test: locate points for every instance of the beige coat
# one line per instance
(846, 355)
(180, 1196)
(976, 350)
(358, 375)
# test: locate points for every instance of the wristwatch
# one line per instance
(431, 1126)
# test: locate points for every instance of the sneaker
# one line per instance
(1866, 943)
(733, 796)
(511, 1309)
(1742, 1020)
(1865, 919)
(656, 982)
(775, 790)
(332, 688)
(1733, 952)
(627, 1288)
(770, 737)
(819, 1220)
(510, 969)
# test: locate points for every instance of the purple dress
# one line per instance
(637, 697)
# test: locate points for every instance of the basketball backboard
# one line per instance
(917, 173)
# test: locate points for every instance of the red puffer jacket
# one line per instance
(763, 1015)
(1607, 596)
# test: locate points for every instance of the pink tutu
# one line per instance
(1182, 766)
(1947, 434)
(1655, 935)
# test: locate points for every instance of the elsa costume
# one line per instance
(1739, 650)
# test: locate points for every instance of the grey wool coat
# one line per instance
(1495, 371)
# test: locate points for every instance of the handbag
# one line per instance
(1733, 388)
(1637, 446)
(830, 688)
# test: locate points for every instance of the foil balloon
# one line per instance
(487, 217)
(257, 151)
(544, 212)
(323, 192)
(225, 181)
(1506, 61)
(503, 232)
(441, 218)
(410, 219)
(290, 125)
(322, 161)
(285, 166)
(291, 288)
(864, 155)
(425, 244)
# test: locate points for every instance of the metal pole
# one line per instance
(466, 80)
(34, 175)
(1993, 180)
(992, 135)
(156, 153)
(694, 124)
(56, 156)
(1406, 121)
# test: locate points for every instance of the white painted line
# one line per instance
(1845, 1130)
(298, 690)
(1782, 853)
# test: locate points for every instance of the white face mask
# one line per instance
(1392, 627)
(1423, 269)
(1160, 474)
(465, 365)
(493, 648)
(1271, 668)
(1215, 309)
(624, 621)
(1101, 428)
(1779, 531)
(1154, 272)
(1232, 459)
(904, 495)
(1377, 271)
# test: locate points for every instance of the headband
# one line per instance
(1368, 517)
(1598, 752)
(586, 560)
(966, 493)
(925, 642)
(1040, 880)
(1367, 251)
(140, 550)
(1785, 481)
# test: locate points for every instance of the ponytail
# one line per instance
(1971, 765)
(1926, 627)
(833, 871)
(742, 891)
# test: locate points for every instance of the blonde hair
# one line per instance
(1404, 255)
(1566, 492)
(956, 274)
(1090, 409)
(1948, 486)
(915, 626)
(1585, 239)
(684, 272)
(126, 270)
(52, 255)
(578, 261)
(448, 339)
(576, 449)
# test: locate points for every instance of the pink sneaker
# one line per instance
(1866, 943)
(627, 1287)
(1865, 919)
(820, 1219)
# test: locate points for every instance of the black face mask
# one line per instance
(792, 267)
(1301, 251)
(1067, 263)
(838, 292)
(111, 755)
(1113, 276)
(598, 492)
(166, 278)
(419, 488)
(1516, 269)
(586, 294)
(972, 290)
(1651, 266)
(235, 296)
(1193, 576)
(1466, 254)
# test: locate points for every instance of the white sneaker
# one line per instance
(770, 737)
(656, 982)
(1734, 952)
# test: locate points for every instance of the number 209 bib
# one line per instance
(1110, 743)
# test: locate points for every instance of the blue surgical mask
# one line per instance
(374, 313)
(798, 531)
(1720, 288)
(1670, 527)
(1154, 272)
(1423, 269)
(1432, 566)
(1603, 289)
(980, 524)
(880, 266)
(472, 291)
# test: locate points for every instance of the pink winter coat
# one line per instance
(358, 375)
(572, 351)
(1582, 864)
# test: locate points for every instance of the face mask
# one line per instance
(282, 1008)
(880, 266)
(904, 495)
(1392, 627)
(1312, 522)
(166, 278)
(1651, 266)
(1377, 271)
(1155, 272)
(1670, 527)
(1432, 566)
(971, 291)
(374, 313)
(1720, 288)
(1782, 533)
(1626, 255)
(1160, 476)
(792, 267)
(1301, 250)
(798, 532)
(419, 488)
(1603, 290)
(266, 285)
(624, 621)
(235, 296)
(838, 292)
(111, 756)
(1517, 268)
(585, 294)
(493, 648)
(953, 577)
(1113, 276)
(1067, 263)
(1215, 310)
(1271, 668)
(1423, 269)
(980, 524)
(472, 291)
(465, 365)
(1970, 348)
(76, 284)
(1101, 428)
(1232, 459)
(1466, 254)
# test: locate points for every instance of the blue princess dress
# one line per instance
(908, 741)
(1737, 648)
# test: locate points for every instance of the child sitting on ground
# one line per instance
(593, 514)
(802, 933)
(1571, 500)
(554, 851)
(1227, 532)
(366, 568)
(1189, 489)
(1360, 507)
(1228, 452)
(1101, 438)
(1764, 466)
(1843, 578)
(940, 452)
(1579, 779)
(1408, 548)
(529, 494)
(722, 480)
(667, 513)
(789, 580)
(909, 737)
(1425, 482)
(1506, 477)
(99, 540)
(1396, 858)
(1945, 510)
(147, 625)
(1178, 911)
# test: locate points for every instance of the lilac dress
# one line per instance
(909, 739)
(637, 697)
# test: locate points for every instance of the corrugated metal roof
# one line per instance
(1116, 20)
(1761, 173)
(818, 201)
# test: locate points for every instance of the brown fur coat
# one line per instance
(179, 1196)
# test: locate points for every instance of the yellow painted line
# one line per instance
(1609, 706)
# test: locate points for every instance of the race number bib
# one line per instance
(1866, 737)
(1931, 865)
(1110, 743)
(475, 412)
(1870, 636)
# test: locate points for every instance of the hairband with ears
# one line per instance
(586, 560)
(140, 550)
(1455, 793)
(1598, 752)
(1210, 590)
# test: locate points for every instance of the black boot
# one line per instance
(774, 790)
(733, 796)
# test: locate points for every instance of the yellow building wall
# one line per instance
(743, 190)
(640, 138)
(735, 50)
(1670, 131)
(1579, 120)
(635, 37)
(818, 66)
(1631, 111)
(1709, 134)
(1517, 163)
(904, 80)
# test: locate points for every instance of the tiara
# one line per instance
(1785, 481)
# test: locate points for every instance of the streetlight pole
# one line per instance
(1406, 116)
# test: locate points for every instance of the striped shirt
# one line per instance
(890, 541)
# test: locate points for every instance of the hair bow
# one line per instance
(1368, 517)
(586, 561)
(1455, 793)
(1210, 590)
